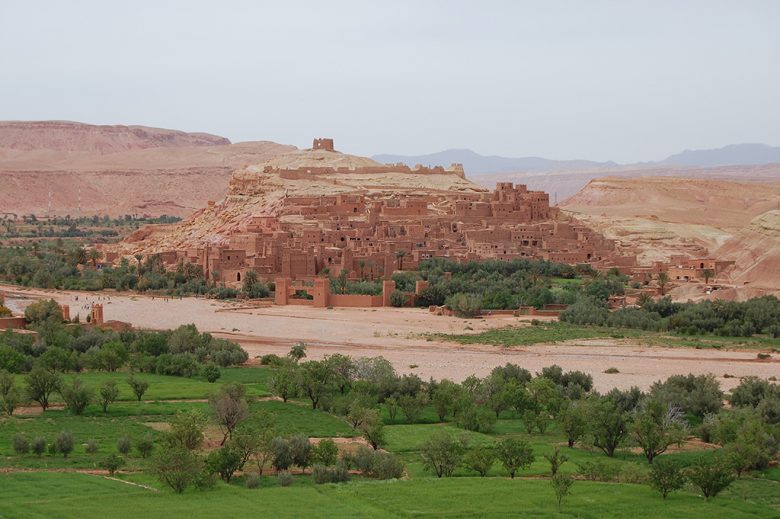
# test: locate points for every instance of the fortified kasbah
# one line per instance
(319, 211)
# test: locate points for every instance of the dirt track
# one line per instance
(395, 335)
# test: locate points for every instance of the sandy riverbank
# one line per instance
(395, 334)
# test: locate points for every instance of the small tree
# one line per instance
(442, 453)
(609, 424)
(707, 274)
(109, 392)
(412, 406)
(556, 459)
(372, 428)
(230, 408)
(211, 372)
(139, 387)
(300, 451)
(284, 383)
(145, 445)
(574, 422)
(514, 455)
(281, 458)
(21, 444)
(124, 445)
(561, 486)
(314, 380)
(41, 384)
(9, 395)
(666, 476)
(39, 446)
(186, 431)
(112, 463)
(325, 453)
(480, 459)
(177, 467)
(63, 443)
(657, 426)
(77, 396)
(297, 352)
(710, 476)
(224, 461)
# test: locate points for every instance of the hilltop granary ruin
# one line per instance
(367, 221)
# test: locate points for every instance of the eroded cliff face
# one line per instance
(658, 217)
(62, 168)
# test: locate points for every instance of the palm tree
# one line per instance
(708, 274)
(663, 279)
(362, 265)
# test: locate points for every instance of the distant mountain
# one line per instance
(476, 164)
(731, 155)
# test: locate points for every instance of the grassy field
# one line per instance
(551, 332)
(52, 486)
(51, 495)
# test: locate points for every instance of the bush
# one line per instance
(210, 372)
(177, 468)
(77, 396)
(711, 476)
(39, 446)
(465, 305)
(63, 443)
(271, 360)
(325, 453)
(252, 481)
(112, 463)
(598, 470)
(666, 476)
(21, 444)
(386, 466)
(398, 298)
(338, 474)
(91, 447)
(124, 445)
(376, 464)
(284, 478)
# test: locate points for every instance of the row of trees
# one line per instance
(41, 385)
(759, 315)
(652, 421)
(183, 351)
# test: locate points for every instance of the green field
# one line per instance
(550, 332)
(52, 486)
(50, 495)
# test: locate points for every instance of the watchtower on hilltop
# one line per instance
(323, 144)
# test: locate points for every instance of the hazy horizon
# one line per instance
(622, 81)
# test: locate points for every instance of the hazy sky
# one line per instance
(623, 80)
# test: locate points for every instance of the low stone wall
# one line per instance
(12, 323)
(355, 300)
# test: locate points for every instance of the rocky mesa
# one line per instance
(60, 168)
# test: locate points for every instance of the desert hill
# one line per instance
(261, 190)
(658, 217)
(116, 170)
(73, 136)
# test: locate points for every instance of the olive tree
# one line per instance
(230, 408)
(442, 453)
(514, 454)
